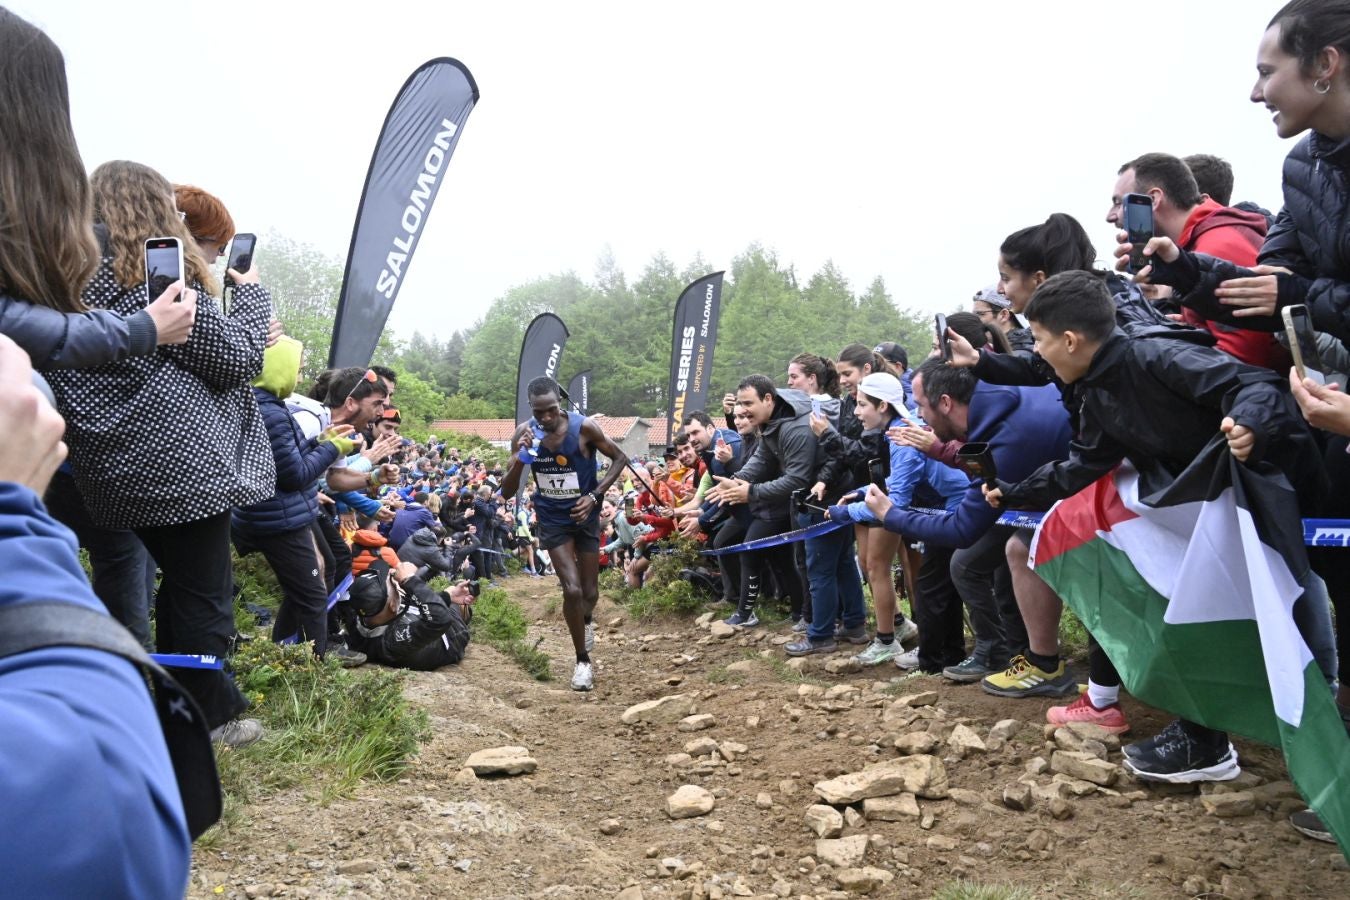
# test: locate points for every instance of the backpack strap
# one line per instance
(44, 624)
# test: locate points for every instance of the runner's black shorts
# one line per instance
(585, 537)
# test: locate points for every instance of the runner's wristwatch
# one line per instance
(597, 497)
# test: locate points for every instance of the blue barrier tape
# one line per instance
(1316, 532)
(332, 601)
(188, 661)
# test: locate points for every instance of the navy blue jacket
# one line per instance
(300, 461)
(1026, 428)
(91, 806)
(407, 521)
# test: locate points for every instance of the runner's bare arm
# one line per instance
(592, 435)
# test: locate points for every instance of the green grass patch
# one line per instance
(664, 594)
(499, 622)
(1073, 637)
(972, 890)
(328, 728)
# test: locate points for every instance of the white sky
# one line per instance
(899, 140)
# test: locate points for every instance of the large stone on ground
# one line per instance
(843, 665)
(824, 820)
(1017, 796)
(665, 711)
(703, 746)
(1004, 729)
(501, 761)
(964, 741)
(916, 743)
(1229, 806)
(1085, 766)
(1089, 731)
(842, 853)
(922, 775)
(722, 630)
(690, 801)
(891, 809)
(864, 880)
(923, 698)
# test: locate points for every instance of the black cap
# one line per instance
(670, 453)
(370, 592)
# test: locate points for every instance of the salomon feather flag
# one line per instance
(419, 136)
(579, 392)
(691, 353)
(540, 352)
(1190, 591)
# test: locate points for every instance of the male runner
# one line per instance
(567, 506)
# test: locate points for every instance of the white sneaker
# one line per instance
(878, 653)
(583, 679)
(908, 660)
(907, 632)
(590, 636)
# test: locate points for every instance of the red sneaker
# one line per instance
(1109, 717)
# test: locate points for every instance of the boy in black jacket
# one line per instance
(1158, 401)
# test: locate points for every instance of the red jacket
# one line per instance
(1234, 235)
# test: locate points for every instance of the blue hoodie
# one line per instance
(91, 806)
(911, 471)
(1026, 427)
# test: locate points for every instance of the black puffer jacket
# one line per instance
(1310, 237)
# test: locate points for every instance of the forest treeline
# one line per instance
(621, 331)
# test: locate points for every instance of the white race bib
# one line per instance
(558, 485)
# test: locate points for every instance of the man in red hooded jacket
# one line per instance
(1183, 214)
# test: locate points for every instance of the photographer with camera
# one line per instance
(435, 553)
(396, 620)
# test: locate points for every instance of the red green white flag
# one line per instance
(1190, 591)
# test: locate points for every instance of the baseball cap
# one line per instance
(369, 591)
(991, 296)
(884, 386)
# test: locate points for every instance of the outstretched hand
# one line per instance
(1241, 439)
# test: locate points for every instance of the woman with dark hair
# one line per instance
(166, 444)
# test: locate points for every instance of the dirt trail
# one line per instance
(434, 834)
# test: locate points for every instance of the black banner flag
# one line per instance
(691, 355)
(579, 390)
(418, 138)
(540, 352)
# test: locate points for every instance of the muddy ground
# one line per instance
(592, 820)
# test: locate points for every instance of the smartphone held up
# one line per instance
(163, 265)
(1139, 226)
(241, 252)
(1298, 329)
(944, 343)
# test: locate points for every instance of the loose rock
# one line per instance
(501, 761)
(1085, 766)
(891, 809)
(846, 665)
(689, 801)
(697, 722)
(924, 776)
(864, 880)
(842, 853)
(665, 711)
(963, 740)
(610, 826)
(923, 698)
(722, 631)
(1017, 796)
(703, 746)
(916, 743)
(825, 821)
(1229, 806)
(1004, 729)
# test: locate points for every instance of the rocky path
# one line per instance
(707, 767)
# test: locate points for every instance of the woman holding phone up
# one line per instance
(166, 444)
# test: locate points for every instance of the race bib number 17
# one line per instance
(559, 486)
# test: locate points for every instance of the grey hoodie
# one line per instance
(785, 460)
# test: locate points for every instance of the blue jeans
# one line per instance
(836, 586)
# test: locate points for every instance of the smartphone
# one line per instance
(944, 343)
(1303, 343)
(241, 252)
(978, 461)
(163, 265)
(1139, 227)
(876, 473)
(815, 407)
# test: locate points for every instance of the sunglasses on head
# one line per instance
(369, 378)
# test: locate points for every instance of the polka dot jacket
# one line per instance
(173, 436)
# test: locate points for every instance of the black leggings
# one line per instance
(755, 565)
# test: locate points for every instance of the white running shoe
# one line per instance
(907, 632)
(908, 660)
(878, 653)
(590, 636)
(583, 679)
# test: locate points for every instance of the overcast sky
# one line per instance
(898, 140)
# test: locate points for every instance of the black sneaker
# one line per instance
(805, 646)
(1175, 757)
(1307, 822)
(969, 670)
(742, 619)
(348, 659)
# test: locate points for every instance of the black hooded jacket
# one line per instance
(1159, 402)
(785, 459)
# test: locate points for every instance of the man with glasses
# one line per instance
(992, 308)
